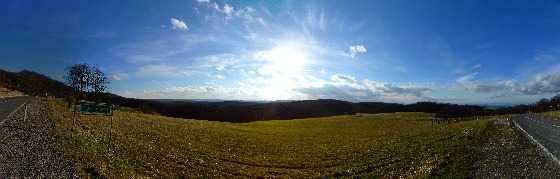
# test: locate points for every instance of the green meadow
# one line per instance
(387, 145)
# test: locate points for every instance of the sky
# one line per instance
(464, 52)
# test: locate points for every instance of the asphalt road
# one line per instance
(9, 105)
(545, 131)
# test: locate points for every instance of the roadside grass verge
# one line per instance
(146, 145)
(551, 114)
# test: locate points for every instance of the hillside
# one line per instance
(33, 83)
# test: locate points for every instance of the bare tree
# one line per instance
(85, 81)
(78, 78)
(98, 81)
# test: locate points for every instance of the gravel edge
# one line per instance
(506, 152)
(29, 147)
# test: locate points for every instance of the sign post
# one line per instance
(91, 108)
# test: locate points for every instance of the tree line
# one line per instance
(217, 111)
(542, 105)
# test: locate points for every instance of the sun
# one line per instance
(284, 70)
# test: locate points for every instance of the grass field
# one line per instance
(380, 145)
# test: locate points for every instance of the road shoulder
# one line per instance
(505, 152)
(29, 147)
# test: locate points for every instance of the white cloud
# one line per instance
(215, 6)
(198, 92)
(349, 89)
(387, 89)
(466, 79)
(177, 24)
(542, 83)
(344, 79)
(116, 78)
(203, 1)
(357, 49)
(228, 10)
(216, 76)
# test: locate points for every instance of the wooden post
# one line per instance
(110, 134)
(73, 120)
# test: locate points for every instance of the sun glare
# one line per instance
(284, 68)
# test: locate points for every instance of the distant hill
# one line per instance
(36, 84)
(33, 83)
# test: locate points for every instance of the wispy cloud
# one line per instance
(546, 61)
(104, 34)
(116, 78)
(476, 66)
(177, 24)
(228, 10)
(316, 18)
(156, 82)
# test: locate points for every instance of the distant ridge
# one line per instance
(35, 84)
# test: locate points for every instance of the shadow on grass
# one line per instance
(92, 173)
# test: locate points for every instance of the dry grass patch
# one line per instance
(5, 92)
(551, 114)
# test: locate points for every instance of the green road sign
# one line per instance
(93, 108)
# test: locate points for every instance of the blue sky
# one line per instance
(473, 52)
